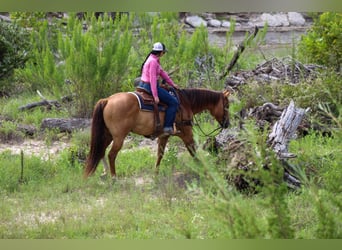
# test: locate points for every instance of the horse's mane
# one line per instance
(198, 97)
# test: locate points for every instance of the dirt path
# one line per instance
(35, 147)
(41, 149)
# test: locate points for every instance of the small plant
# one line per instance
(9, 132)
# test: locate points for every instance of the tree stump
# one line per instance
(284, 130)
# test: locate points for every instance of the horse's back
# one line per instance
(123, 115)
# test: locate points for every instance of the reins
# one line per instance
(207, 134)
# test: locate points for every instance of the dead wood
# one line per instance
(29, 130)
(285, 70)
(48, 103)
(241, 166)
(65, 125)
(238, 52)
(284, 130)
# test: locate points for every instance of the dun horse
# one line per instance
(118, 115)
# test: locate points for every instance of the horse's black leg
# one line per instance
(162, 141)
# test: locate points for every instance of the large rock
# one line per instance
(282, 18)
(214, 23)
(296, 18)
(195, 21)
(5, 18)
(226, 24)
(270, 19)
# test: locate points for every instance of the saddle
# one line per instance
(147, 100)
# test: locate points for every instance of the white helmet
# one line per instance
(159, 47)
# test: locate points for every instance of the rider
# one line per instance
(150, 71)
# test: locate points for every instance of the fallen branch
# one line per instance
(44, 102)
(238, 52)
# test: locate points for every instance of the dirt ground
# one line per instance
(34, 147)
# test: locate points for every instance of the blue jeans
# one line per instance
(168, 99)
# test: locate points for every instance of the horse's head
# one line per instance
(221, 112)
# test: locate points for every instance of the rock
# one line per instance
(270, 19)
(283, 19)
(296, 18)
(195, 21)
(5, 18)
(226, 24)
(214, 23)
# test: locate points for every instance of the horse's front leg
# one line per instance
(162, 141)
(189, 142)
(191, 146)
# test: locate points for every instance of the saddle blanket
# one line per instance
(144, 106)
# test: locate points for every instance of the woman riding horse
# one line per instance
(151, 70)
(118, 115)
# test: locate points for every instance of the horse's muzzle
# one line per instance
(225, 124)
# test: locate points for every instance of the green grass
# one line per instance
(188, 199)
(54, 201)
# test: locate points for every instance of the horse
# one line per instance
(118, 115)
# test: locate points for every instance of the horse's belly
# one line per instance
(145, 123)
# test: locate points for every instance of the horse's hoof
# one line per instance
(103, 177)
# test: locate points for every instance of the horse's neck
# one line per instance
(198, 101)
(200, 108)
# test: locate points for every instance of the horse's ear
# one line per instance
(226, 93)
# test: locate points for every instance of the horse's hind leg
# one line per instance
(116, 146)
(104, 161)
(162, 141)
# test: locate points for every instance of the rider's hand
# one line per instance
(156, 100)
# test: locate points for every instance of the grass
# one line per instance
(54, 201)
(188, 199)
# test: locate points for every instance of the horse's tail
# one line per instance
(99, 133)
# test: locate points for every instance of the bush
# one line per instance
(14, 48)
(323, 42)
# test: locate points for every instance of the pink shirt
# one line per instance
(151, 71)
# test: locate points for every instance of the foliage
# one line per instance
(56, 203)
(9, 108)
(14, 50)
(8, 132)
(93, 63)
(323, 42)
(191, 197)
(95, 57)
(28, 19)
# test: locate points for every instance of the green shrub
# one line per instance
(14, 50)
(323, 42)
